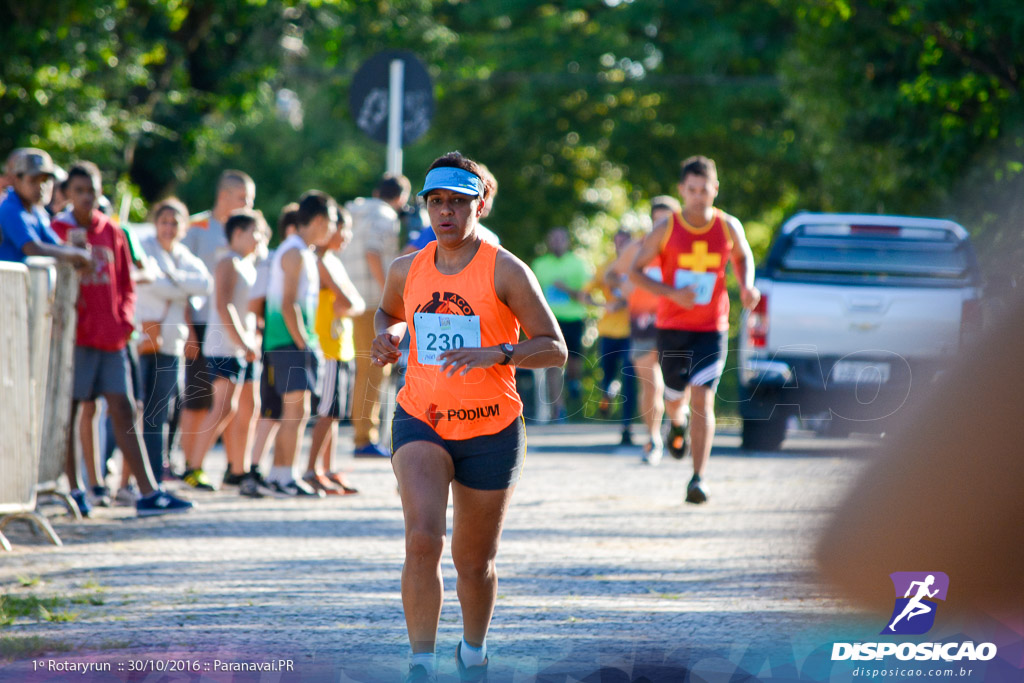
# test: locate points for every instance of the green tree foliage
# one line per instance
(914, 107)
(588, 107)
(582, 108)
(147, 89)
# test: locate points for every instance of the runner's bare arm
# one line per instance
(617, 274)
(333, 277)
(389, 320)
(623, 262)
(225, 278)
(650, 247)
(516, 287)
(742, 263)
(356, 304)
(291, 265)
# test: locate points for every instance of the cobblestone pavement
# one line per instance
(601, 563)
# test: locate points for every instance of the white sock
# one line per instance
(424, 659)
(473, 656)
(280, 474)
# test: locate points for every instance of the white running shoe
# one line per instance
(653, 452)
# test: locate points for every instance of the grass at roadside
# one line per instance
(45, 608)
(25, 647)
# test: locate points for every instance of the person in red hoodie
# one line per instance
(106, 306)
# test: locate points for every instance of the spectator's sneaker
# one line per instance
(371, 450)
(419, 674)
(78, 495)
(339, 479)
(127, 495)
(319, 482)
(679, 441)
(101, 496)
(652, 453)
(198, 480)
(695, 492)
(470, 673)
(160, 503)
(250, 487)
(231, 479)
(295, 489)
(627, 438)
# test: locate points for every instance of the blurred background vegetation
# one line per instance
(582, 108)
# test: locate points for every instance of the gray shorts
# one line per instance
(100, 372)
(638, 348)
(486, 463)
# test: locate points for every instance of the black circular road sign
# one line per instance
(368, 96)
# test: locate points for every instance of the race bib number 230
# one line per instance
(440, 332)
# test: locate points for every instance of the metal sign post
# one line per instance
(392, 101)
(396, 86)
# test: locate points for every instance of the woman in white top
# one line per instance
(230, 348)
(160, 306)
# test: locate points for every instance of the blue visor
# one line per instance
(454, 179)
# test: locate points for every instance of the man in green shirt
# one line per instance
(563, 276)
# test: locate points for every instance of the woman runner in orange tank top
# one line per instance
(458, 422)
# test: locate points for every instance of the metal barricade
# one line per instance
(23, 310)
(42, 280)
(56, 422)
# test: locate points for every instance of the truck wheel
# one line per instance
(764, 435)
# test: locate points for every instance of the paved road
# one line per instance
(601, 565)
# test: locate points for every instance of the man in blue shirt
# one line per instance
(24, 223)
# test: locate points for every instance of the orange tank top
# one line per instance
(696, 257)
(642, 301)
(454, 311)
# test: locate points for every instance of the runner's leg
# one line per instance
(476, 532)
(424, 471)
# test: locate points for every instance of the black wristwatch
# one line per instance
(506, 349)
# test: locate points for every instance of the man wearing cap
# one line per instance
(375, 228)
(24, 223)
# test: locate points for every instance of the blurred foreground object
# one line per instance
(946, 493)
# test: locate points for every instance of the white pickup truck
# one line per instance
(858, 314)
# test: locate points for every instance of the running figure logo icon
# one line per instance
(914, 612)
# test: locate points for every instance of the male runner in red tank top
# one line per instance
(693, 314)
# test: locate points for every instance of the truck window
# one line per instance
(876, 253)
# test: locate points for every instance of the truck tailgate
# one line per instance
(838, 320)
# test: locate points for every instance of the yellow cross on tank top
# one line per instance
(699, 260)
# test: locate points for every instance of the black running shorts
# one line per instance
(696, 358)
(487, 463)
